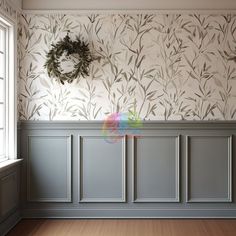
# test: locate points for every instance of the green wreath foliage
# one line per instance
(68, 47)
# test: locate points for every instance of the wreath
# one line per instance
(76, 50)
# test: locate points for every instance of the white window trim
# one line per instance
(10, 85)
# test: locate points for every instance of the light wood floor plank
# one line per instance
(130, 227)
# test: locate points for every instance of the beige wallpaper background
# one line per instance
(160, 66)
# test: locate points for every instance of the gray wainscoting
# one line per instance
(102, 170)
(209, 168)
(9, 196)
(169, 169)
(49, 168)
(9, 193)
(156, 169)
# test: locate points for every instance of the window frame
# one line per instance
(9, 83)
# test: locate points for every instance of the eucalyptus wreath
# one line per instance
(69, 48)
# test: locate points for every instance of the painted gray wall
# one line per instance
(49, 168)
(171, 169)
(102, 170)
(9, 197)
(124, 4)
(156, 169)
(204, 180)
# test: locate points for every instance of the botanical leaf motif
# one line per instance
(160, 66)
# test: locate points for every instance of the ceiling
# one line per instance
(129, 4)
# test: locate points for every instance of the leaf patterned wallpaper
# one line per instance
(9, 10)
(161, 66)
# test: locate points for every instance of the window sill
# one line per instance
(9, 163)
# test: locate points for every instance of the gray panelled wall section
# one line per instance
(9, 196)
(171, 169)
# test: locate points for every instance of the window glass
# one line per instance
(7, 88)
(2, 64)
(1, 90)
(1, 141)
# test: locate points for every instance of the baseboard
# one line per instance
(9, 223)
(129, 213)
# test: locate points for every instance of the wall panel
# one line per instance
(10, 182)
(49, 168)
(9, 193)
(209, 168)
(156, 169)
(102, 170)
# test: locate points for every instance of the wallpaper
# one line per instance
(157, 66)
(8, 9)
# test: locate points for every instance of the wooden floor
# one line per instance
(125, 228)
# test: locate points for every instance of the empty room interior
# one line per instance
(117, 118)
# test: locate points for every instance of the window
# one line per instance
(7, 91)
(3, 34)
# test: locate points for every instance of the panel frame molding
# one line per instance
(229, 199)
(68, 199)
(177, 169)
(81, 199)
(6, 178)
